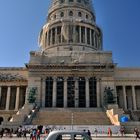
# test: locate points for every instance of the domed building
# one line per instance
(71, 72)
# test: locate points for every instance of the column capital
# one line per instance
(54, 78)
(87, 78)
(65, 79)
(98, 79)
(43, 79)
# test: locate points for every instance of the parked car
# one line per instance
(68, 135)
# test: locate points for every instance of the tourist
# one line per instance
(89, 133)
(96, 132)
(109, 132)
(136, 132)
(34, 134)
(122, 130)
(38, 134)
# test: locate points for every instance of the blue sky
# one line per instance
(22, 20)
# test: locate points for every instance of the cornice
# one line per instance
(128, 68)
(13, 68)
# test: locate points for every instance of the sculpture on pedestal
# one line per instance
(32, 94)
(108, 95)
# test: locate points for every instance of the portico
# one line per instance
(71, 92)
(12, 97)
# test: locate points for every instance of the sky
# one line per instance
(22, 20)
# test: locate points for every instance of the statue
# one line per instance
(32, 94)
(109, 97)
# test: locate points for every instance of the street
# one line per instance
(94, 138)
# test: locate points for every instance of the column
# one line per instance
(98, 93)
(26, 96)
(79, 34)
(91, 37)
(8, 98)
(74, 35)
(65, 92)
(46, 38)
(134, 98)
(85, 35)
(17, 99)
(54, 91)
(94, 39)
(87, 92)
(124, 98)
(76, 93)
(56, 38)
(51, 37)
(43, 91)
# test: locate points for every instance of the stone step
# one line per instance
(73, 109)
(68, 116)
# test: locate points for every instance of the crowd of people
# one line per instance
(22, 132)
(35, 133)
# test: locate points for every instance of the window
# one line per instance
(70, 13)
(70, 0)
(62, 1)
(86, 16)
(79, 14)
(62, 14)
(53, 36)
(82, 34)
(88, 36)
(79, 1)
(54, 17)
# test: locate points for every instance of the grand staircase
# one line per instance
(76, 116)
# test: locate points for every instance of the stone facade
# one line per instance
(71, 69)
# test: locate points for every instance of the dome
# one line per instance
(71, 26)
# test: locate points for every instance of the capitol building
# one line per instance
(71, 72)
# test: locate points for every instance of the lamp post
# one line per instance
(71, 121)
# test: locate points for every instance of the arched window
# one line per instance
(54, 17)
(62, 1)
(70, 13)
(86, 16)
(79, 14)
(70, 0)
(79, 1)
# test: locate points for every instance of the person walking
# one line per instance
(96, 132)
(137, 133)
(38, 134)
(89, 133)
(109, 132)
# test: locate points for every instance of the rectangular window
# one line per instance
(88, 36)
(82, 34)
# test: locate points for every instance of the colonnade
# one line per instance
(12, 98)
(72, 34)
(127, 97)
(70, 92)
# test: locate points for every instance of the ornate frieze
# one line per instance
(11, 77)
